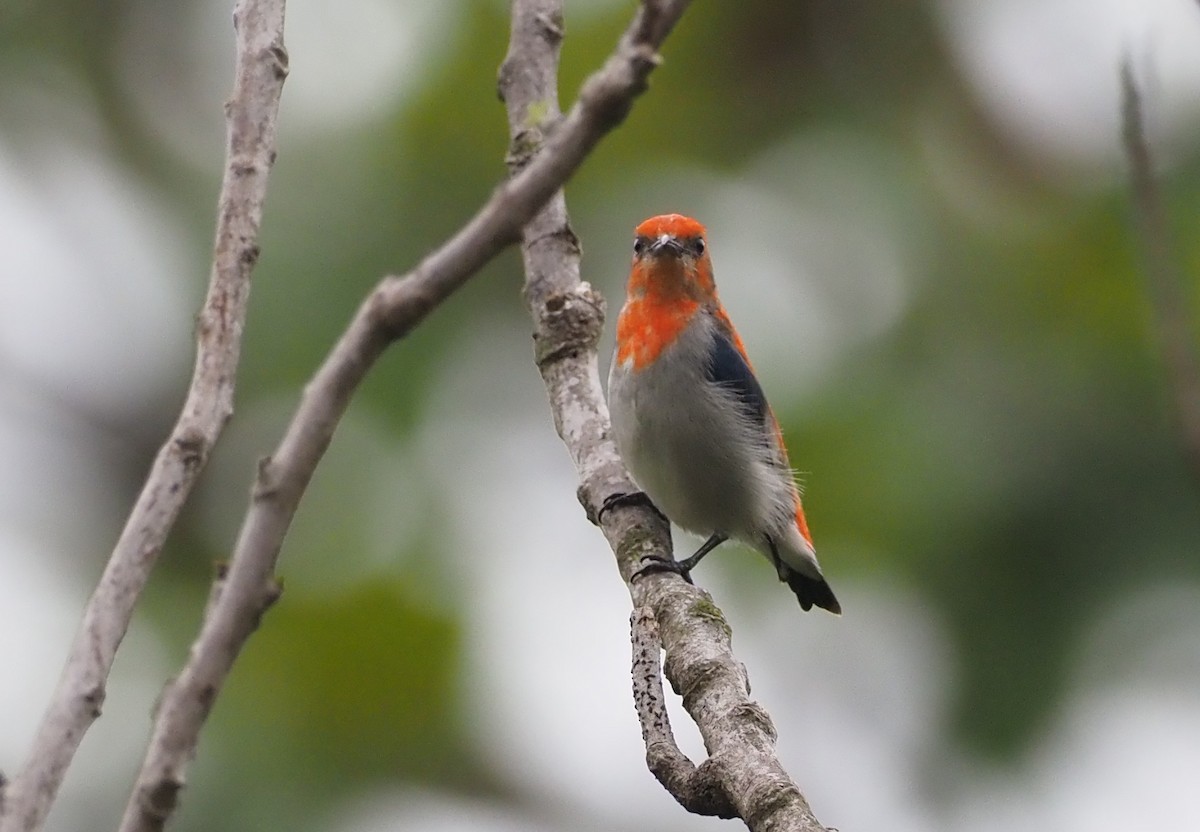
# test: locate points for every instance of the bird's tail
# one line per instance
(796, 562)
(810, 591)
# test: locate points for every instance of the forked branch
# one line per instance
(395, 306)
(742, 776)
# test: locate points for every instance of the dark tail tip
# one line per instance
(813, 592)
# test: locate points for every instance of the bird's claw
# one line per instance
(653, 563)
(631, 498)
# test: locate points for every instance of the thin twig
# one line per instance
(1166, 282)
(699, 790)
(251, 113)
(742, 775)
(396, 306)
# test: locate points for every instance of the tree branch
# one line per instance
(1166, 283)
(698, 790)
(251, 114)
(742, 775)
(395, 306)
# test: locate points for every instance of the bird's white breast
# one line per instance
(691, 446)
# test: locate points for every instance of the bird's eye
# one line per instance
(639, 245)
(698, 246)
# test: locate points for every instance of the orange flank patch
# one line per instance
(802, 522)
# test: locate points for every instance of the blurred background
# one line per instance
(919, 217)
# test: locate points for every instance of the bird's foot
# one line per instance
(653, 563)
(631, 498)
(682, 568)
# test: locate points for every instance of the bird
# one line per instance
(690, 418)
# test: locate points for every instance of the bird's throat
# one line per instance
(650, 324)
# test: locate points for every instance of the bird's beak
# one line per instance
(666, 244)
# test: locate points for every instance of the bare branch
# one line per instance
(251, 113)
(396, 306)
(1166, 283)
(742, 776)
(698, 790)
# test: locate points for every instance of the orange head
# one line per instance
(671, 281)
(670, 225)
(670, 260)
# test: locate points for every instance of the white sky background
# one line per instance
(94, 310)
